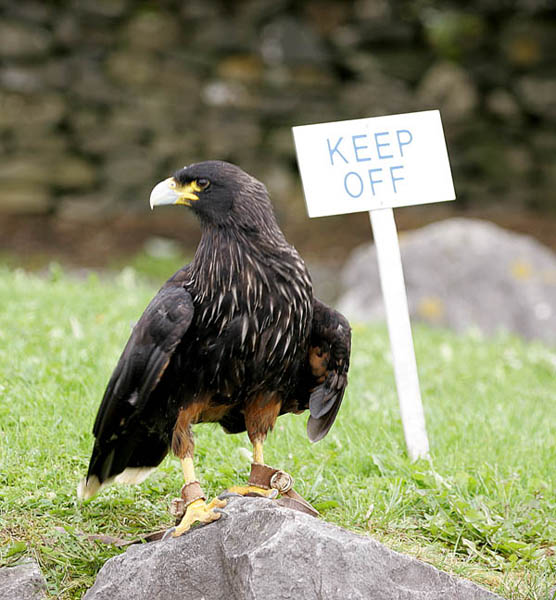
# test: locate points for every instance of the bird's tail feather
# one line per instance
(324, 404)
(126, 461)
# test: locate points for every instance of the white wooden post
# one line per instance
(399, 328)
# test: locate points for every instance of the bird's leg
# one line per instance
(253, 489)
(260, 415)
(258, 452)
(196, 509)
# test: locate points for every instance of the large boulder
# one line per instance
(463, 273)
(258, 550)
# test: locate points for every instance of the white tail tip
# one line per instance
(134, 475)
(87, 488)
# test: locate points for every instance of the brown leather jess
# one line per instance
(190, 492)
(269, 478)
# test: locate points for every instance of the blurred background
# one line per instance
(100, 99)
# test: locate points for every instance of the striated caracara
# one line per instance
(234, 337)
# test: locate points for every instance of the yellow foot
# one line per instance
(245, 490)
(199, 511)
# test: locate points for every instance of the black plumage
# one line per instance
(235, 336)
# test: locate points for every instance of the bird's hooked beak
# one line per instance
(171, 191)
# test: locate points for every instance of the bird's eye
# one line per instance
(203, 183)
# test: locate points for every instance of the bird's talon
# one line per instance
(216, 503)
(168, 533)
(252, 490)
(228, 494)
(199, 511)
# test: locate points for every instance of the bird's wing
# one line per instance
(329, 354)
(145, 357)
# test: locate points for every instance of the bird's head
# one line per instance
(218, 192)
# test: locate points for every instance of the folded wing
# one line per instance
(125, 435)
(329, 355)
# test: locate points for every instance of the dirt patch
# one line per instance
(30, 241)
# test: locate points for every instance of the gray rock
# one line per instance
(21, 79)
(503, 104)
(380, 96)
(528, 43)
(85, 208)
(463, 273)
(22, 582)
(18, 40)
(259, 551)
(24, 198)
(63, 170)
(290, 41)
(41, 112)
(32, 11)
(450, 88)
(105, 8)
(131, 68)
(539, 94)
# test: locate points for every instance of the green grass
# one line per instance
(483, 508)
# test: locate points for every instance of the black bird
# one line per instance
(234, 337)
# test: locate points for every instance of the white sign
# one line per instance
(379, 162)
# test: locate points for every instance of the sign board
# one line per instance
(379, 162)
(374, 165)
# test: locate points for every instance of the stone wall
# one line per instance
(101, 98)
